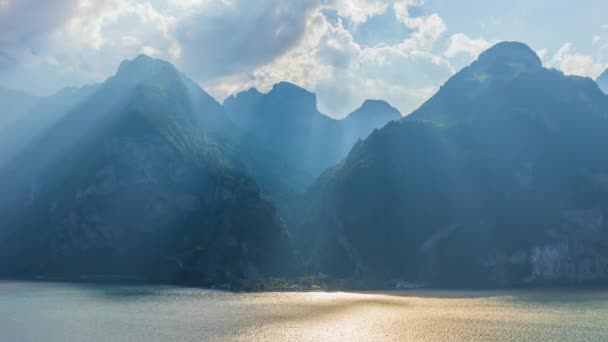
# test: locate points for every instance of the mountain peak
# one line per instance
(139, 60)
(511, 54)
(377, 104)
(294, 96)
(371, 115)
(143, 67)
(251, 93)
(375, 109)
(289, 88)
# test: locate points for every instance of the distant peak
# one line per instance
(375, 108)
(288, 90)
(143, 64)
(289, 87)
(292, 98)
(510, 53)
(377, 104)
(252, 91)
(249, 93)
(142, 58)
(603, 76)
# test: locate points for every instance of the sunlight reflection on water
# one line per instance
(60, 312)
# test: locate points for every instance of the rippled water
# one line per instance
(63, 312)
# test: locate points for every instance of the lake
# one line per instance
(75, 312)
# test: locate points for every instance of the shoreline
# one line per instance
(421, 291)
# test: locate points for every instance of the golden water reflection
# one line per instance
(429, 316)
(54, 312)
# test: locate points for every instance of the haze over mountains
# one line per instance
(30, 116)
(14, 103)
(136, 182)
(500, 179)
(288, 122)
(142, 176)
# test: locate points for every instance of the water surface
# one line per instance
(68, 312)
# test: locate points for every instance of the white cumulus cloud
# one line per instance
(460, 43)
(571, 62)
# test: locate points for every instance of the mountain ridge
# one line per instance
(287, 120)
(498, 180)
(134, 174)
(487, 184)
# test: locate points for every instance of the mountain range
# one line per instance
(137, 182)
(498, 180)
(287, 121)
(29, 117)
(142, 176)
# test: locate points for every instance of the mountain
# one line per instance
(139, 180)
(500, 179)
(34, 119)
(602, 81)
(371, 115)
(14, 103)
(286, 120)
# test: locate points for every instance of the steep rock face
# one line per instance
(136, 182)
(496, 180)
(287, 122)
(241, 107)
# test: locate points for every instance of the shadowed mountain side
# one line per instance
(134, 182)
(498, 180)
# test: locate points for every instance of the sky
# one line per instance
(345, 51)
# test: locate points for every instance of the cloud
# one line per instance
(571, 62)
(83, 42)
(240, 36)
(542, 53)
(231, 45)
(359, 11)
(460, 43)
(193, 4)
(23, 21)
(337, 47)
(343, 73)
(427, 29)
